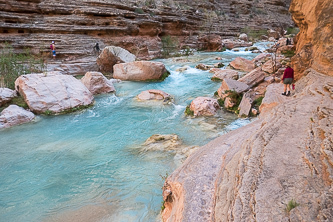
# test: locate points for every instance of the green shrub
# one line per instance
(139, 11)
(292, 30)
(12, 65)
(254, 34)
(216, 93)
(169, 45)
(220, 102)
(236, 98)
(288, 53)
(291, 205)
(257, 102)
(216, 80)
(188, 111)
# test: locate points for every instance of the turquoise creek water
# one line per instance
(87, 166)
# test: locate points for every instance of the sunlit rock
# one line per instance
(97, 83)
(140, 71)
(15, 115)
(6, 95)
(52, 92)
(204, 106)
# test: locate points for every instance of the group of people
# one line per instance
(53, 49)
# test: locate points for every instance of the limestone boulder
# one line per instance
(153, 94)
(203, 66)
(261, 58)
(97, 83)
(213, 42)
(253, 78)
(224, 74)
(139, 71)
(204, 106)
(15, 115)
(245, 105)
(6, 95)
(231, 43)
(273, 34)
(243, 37)
(158, 142)
(269, 66)
(53, 92)
(112, 55)
(233, 85)
(242, 64)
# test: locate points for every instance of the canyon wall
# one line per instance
(76, 26)
(255, 172)
(314, 41)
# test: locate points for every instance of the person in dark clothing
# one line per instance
(287, 79)
(96, 48)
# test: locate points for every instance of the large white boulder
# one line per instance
(253, 78)
(97, 83)
(242, 64)
(15, 115)
(204, 106)
(53, 92)
(6, 95)
(112, 55)
(139, 71)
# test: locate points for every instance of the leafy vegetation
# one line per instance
(139, 11)
(216, 79)
(291, 205)
(288, 53)
(254, 34)
(12, 65)
(236, 98)
(19, 101)
(292, 30)
(188, 111)
(257, 102)
(220, 102)
(170, 45)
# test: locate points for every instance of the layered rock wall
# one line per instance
(314, 41)
(76, 26)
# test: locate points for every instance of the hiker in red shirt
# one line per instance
(287, 78)
(52, 46)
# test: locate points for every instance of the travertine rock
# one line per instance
(224, 74)
(261, 58)
(203, 66)
(6, 95)
(97, 83)
(272, 97)
(15, 115)
(154, 94)
(233, 85)
(231, 43)
(243, 37)
(212, 42)
(204, 106)
(242, 64)
(112, 55)
(253, 78)
(52, 92)
(245, 105)
(251, 173)
(269, 66)
(139, 71)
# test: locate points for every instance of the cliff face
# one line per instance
(252, 173)
(315, 39)
(77, 25)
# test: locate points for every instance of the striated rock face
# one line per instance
(314, 42)
(77, 25)
(97, 83)
(15, 115)
(6, 95)
(53, 92)
(139, 71)
(204, 106)
(251, 173)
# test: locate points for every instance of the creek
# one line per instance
(89, 164)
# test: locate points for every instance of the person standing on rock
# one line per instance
(96, 48)
(52, 46)
(287, 79)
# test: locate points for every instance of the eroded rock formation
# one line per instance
(314, 42)
(250, 174)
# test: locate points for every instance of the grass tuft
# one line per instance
(291, 205)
